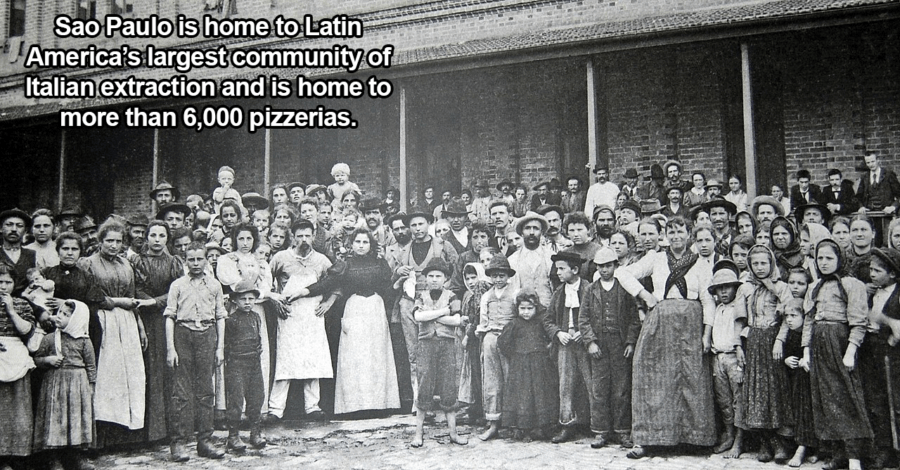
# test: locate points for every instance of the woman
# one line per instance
(72, 282)
(622, 242)
(672, 382)
(840, 230)
(154, 271)
(231, 216)
(240, 271)
(697, 195)
(521, 204)
(119, 402)
(285, 214)
(786, 246)
(366, 377)
(862, 241)
(745, 223)
(736, 195)
(350, 200)
(17, 324)
(894, 234)
(279, 195)
(778, 194)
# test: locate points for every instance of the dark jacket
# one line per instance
(846, 198)
(556, 318)
(550, 199)
(815, 194)
(590, 317)
(885, 193)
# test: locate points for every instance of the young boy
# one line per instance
(573, 362)
(225, 191)
(195, 333)
(341, 174)
(437, 311)
(609, 324)
(724, 338)
(243, 375)
(497, 307)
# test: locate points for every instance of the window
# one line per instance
(17, 18)
(87, 9)
(120, 7)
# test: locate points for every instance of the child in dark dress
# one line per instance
(531, 399)
(799, 404)
(64, 418)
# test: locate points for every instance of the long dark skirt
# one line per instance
(16, 432)
(875, 389)
(765, 385)
(800, 408)
(672, 393)
(531, 394)
(839, 409)
(159, 381)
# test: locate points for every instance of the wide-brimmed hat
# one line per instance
(371, 204)
(15, 212)
(650, 206)
(437, 264)
(295, 184)
(176, 207)
(568, 256)
(631, 173)
(720, 202)
(542, 183)
(138, 220)
(798, 212)
(236, 294)
(723, 277)
(766, 200)
(420, 212)
(86, 222)
(600, 167)
(605, 255)
(545, 208)
(455, 207)
(555, 183)
(314, 188)
(399, 215)
(669, 163)
(632, 205)
(163, 186)
(889, 256)
(499, 263)
(254, 199)
(503, 183)
(528, 217)
(656, 172)
(71, 211)
(726, 263)
(713, 183)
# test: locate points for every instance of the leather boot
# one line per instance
(179, 453)
(257, 441)
(235, 444)
(205, 448)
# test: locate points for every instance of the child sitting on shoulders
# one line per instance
(800, 395)
(341, 174)
(530, 402)
(437, 311)
(225, 191)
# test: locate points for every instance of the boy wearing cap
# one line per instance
(195, 343)
(243, 375)
(724, 337)
(609, 324)
(498, 308)
(573, 362)
(437, 310)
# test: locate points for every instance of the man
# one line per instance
(399, 225)
(445, 200)
(804, 192)
(543, 196)
(428, 200)
(373, 211)
(173, 215)
(605, 222)
(556, 189)
(720, 214)
(656, 187)
(505, 187)
(457, 215)
(601, 193)
(812, 214)
(13, 224)
(252, 201)
(574, 197)
(630, 185)
(67, 218)
(714, 189)
(672, 168)
(766, 208)
(44, 247)
(137, 231)
(303, 353)
(412, 260)
(839, 197)
(309, 210)
(87, 229)
(554, 237)
(501, 218)
(481, 205)
(532, 263)
(296, 192)
(164, 194)
(879, 189)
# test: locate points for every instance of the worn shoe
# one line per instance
(599, 442)
(625, 440)
(636, 452)
(564, 435)
(317, 415)
(179, 453)
(257, 441)
(205, 448)
(235, 444)
(82, 463)
(269, 419)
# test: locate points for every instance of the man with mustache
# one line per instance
(605, 221)
(373, 211)
(554, 236)
(602, 193)
(457, 215)
(13, 224)
(303, 354)
(137, 231)
(532, 263)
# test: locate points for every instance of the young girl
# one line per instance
(798, 282)
(764, 390)
(799, 402)
(810, 236)
(837, 307)
(477, 283)
(763, 236)
(65, 416)
(531, 401)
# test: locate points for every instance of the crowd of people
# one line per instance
(653, 315)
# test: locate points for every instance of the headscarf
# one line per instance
(836, 275)
(479, 271)
(790, 257)
(78, 320)
(817, 233)
(774, 274)
(752, 222)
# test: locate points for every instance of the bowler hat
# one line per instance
(503, 183)
(15, 212)
(599, 168)
(255, 200)
(455, 207)
(605, 255)
(528, 217)
(371, 204)
(499, 263)
(84, 223)
(632, 205)
(631, 173)
(555, 183)
(174, 207)
(71, 211)
(162, 187)
(568, 256)
(437, 264)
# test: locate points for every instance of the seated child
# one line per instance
(437, 311)
(243, 374)
(530, 402)
(39, 289)
(800, 395)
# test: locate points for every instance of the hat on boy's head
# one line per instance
(890, 257)
(314, 188)
(164, 186)
(727, 264)
(605, 255)
(437, 264)
(236, 294)
(723, 277)
(568, 256)
(499, 263)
